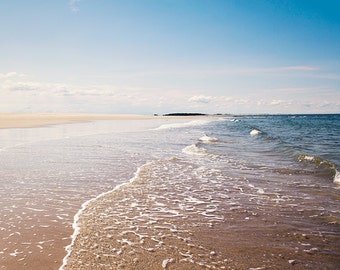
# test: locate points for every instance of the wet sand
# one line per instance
(36, 247)
(36, 120)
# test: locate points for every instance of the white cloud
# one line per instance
(7, 75)
(11, 75)
(37, 87)
(237, 104)
(20, 94)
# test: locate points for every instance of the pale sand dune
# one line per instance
(36, 120)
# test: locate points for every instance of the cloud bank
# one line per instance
(19, 93)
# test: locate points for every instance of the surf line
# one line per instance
(76, 228)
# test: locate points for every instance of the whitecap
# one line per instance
(194, 150)
(255, 132)
(207, 139)
(183, 125)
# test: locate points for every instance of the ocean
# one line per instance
(245, 192)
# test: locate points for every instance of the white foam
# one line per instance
(166, 262)
(260, 191)
(208, 139)
(183, 125)
(15, 253)
(83, 207)
(308, 158)
(35, 209)
(336, 179)
(191, 199)
(255, 132)
(194, 150)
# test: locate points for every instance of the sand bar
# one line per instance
(36, 120)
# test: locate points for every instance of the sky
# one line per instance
(162, 56)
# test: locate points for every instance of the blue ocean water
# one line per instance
(309, 142)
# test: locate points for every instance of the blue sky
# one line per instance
(159, 56)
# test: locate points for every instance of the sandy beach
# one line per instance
(36, 120)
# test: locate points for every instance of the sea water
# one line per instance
(46, 174)
(249, 192)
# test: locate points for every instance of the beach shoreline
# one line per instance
(30, 120)
(12, 120)
(40, 242)
(67, 202)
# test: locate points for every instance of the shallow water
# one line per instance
(47, 173)
(178, 215)
(230, 200)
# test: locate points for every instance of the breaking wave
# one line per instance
(255, 132)
(183, 125)
(336, 179)
(194, 150)
(321, 166)
(207, 139)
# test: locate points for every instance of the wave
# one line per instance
(336, 179)
(315, 164)
(194, 150)
(255, 132)
(207, 139)
(183, 125)
(318, 161)
(75, 225)
(321, 166)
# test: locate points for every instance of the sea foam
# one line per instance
(255, 132)
(183, 125)
(195, 150)
(207, 139)
(75, 225)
